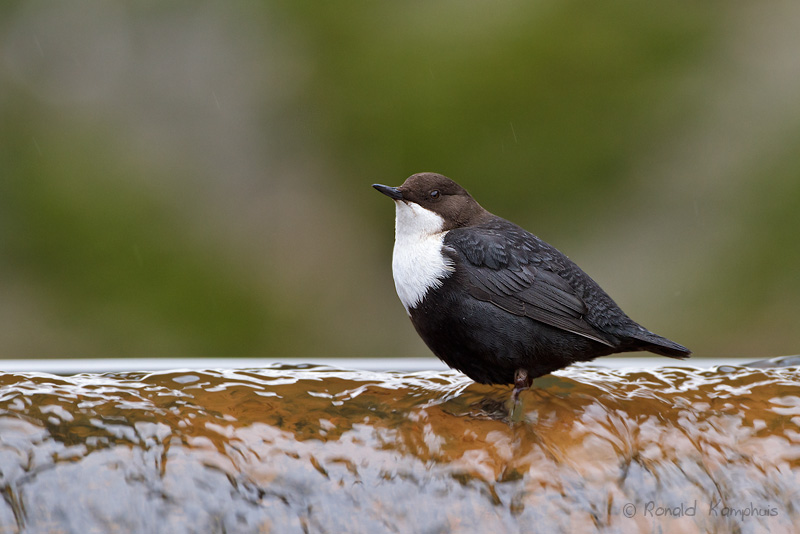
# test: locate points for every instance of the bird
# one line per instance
(495, 301)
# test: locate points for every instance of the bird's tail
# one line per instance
(660, 345)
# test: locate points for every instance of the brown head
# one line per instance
(440, 195)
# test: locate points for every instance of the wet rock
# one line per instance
(317, 449)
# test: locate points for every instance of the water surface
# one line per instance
(319, 449)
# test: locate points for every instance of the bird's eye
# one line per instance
(435, 194)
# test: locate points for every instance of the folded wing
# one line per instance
(523, 283)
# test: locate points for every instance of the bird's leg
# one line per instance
(521, 381)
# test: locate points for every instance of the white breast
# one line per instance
(417, 262)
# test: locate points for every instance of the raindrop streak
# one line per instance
(38, 45)
(272, 449)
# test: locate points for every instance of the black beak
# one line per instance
(391, 192)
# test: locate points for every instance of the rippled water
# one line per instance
(316, 449)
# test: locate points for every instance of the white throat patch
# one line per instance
(417, 261)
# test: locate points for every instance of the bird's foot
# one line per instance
(522, 381)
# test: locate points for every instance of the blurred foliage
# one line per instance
(542, 101)
(193, 179)
(110, 258)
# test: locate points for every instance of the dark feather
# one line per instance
(530, 285)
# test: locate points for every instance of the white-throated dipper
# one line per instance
(493, 300)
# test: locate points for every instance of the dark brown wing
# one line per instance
(512, 270)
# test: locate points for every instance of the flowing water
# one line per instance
(318, 449)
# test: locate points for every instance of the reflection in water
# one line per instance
(323, 450)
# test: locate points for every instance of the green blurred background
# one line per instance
(193, 179)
